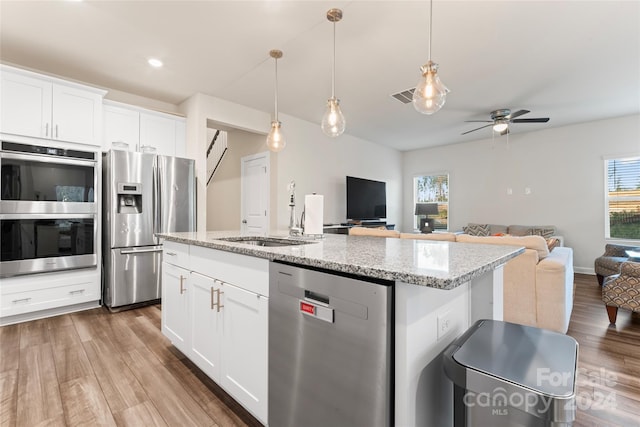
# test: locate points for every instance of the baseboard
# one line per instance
(584, 270)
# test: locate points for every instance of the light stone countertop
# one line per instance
(443, 265)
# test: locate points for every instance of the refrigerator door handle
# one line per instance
(140, 251)
(156, 196)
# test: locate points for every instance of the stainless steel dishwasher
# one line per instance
(330, 349)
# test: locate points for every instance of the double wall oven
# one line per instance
(48, 209)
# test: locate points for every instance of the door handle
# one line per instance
(142, 251)
(244, 221)
(182, 289)
(213, 304)
(219, 292)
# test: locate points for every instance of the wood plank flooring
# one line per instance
(96, 368)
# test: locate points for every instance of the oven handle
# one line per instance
(59, 216)
(48, 159)
(140, 251)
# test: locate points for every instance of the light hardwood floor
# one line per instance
(97, 368)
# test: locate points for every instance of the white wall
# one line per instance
(315, 162)
(563, 167)
(319, 164)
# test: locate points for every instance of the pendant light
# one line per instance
(333, 122)
(430, 94)
(275, 139)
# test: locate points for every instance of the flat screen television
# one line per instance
(366, 199)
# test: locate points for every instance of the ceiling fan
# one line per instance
(500, 120)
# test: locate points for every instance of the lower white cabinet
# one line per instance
(175, 305)
(245, 348)
(219, 324)
(206, 324)
(35, 296)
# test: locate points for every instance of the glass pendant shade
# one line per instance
(275, 139)
(430, 94)
(333, 121)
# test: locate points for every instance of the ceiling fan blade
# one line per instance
(478, 121)
(517, 114)
(473, 130)
(537, 120)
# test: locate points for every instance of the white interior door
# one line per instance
(254, 210)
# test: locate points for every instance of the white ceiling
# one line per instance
(572, 61)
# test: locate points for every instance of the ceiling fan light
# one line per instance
(430, 94)
(275, 139)
(333, 121)
(500, 127)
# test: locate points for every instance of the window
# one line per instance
(432, 188)
(623, 198)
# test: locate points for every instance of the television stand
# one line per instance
(344, 227)
(365, 223)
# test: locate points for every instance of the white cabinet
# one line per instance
(35, 296)
(222, 325)
(175, 294)
(141, 128)
(121, 125)
(44, 107)
(245, 356)
(206, 324)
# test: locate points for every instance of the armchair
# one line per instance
(609, 263)
(622, 290)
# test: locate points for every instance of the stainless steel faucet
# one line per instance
(294, 225)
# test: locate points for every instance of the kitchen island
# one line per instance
(440, 289)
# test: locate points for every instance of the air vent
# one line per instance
(406, 96)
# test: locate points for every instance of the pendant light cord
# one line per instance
(333, 74)
(430, 26)
(276, 97)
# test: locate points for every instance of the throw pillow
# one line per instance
(545, 232)
(552, 243)
(476, 229)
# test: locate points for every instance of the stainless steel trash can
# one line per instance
(505, 374)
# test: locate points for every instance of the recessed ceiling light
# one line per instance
(155, 63)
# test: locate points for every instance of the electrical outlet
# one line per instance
(445, 323)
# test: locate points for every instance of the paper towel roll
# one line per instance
(313, 214)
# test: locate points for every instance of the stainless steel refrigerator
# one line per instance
(143, 194)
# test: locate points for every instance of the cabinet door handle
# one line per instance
(46, 130)
(219, 292)
(182, 289)
(21, 300)
(213, 304)
(170, 253)
(77, 292)
(56, 131)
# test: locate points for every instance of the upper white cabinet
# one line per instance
(121, 125)
(140, 129)
(44, 107)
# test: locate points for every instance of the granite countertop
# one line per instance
(443, 265)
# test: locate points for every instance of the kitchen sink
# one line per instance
(265, 241)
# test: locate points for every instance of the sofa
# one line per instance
(538, 284)
(546, 231)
